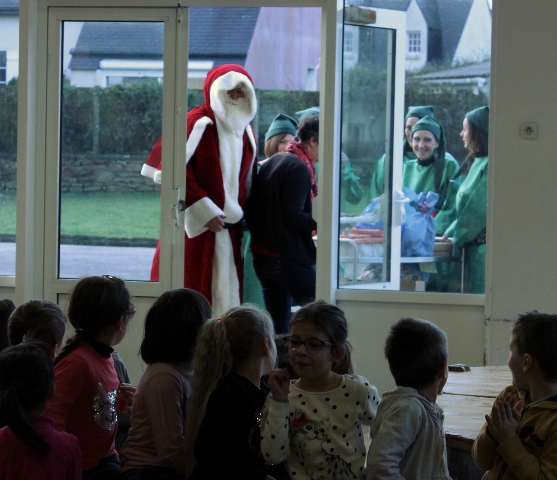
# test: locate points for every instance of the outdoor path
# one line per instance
(76, 261)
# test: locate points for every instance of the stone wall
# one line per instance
(8, 172)
(90, 173)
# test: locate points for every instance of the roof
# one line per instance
(144, 40)
(9, 7)
(445, 18)
(453, 16)
(468, 71)
(400, 5)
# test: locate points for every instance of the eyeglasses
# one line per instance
(131, 312)
(311, 344)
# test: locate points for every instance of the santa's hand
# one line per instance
(216, 224)
(279, 383)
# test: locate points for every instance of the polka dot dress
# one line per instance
(320, 432)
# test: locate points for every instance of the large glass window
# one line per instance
(9, 51)
(426, 187)
(111, 115)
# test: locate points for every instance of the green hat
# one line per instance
(420, 112)
(433, 126)
(281, 124)
(306, 113)
(429, 124)
(480, 118)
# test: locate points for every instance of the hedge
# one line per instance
(126, 118)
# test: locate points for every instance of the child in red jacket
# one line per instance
(30, 447)
(88, 392)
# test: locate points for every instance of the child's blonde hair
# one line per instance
(223, 344)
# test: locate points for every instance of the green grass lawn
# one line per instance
(99, 215)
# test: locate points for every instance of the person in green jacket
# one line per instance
(431, 170)
(433, 174)
(468, 230)
(281, 132)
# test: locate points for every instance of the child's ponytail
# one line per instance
(213, 360)
(222, 345)
(26, 379)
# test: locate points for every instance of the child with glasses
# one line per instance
(315, 422)
(88, 392)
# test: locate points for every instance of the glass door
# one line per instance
(104, 114)
(371, 200)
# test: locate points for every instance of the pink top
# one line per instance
(19, 461)
(85, 402)
(156, 436)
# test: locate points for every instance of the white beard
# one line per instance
(236, 114)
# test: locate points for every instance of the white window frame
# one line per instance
(35, 263)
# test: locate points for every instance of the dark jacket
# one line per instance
(278, 212)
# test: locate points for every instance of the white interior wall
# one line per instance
(523, 229)
(522, 256)
(369, 325)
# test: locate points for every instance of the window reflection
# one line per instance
(8, 157)
(111, 115)
(447, 74)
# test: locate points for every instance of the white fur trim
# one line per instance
(148, 170)
(231, 148)
(228, 81)
(225, 286)
(195, 136)
(198, 214)
(157, 177)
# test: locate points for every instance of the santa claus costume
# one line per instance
(220, 157)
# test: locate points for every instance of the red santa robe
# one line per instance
(220, 161)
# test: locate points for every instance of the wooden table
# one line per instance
(466, 399)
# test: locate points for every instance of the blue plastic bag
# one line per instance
(368, 211)
(418, 236)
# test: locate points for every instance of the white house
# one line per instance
(440, 31)
(9, 40)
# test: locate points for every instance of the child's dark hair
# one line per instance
(536, 334)
(416, 350)
(95, 303)
(172, 326)
(6, 309)
(26, 379)
(308, 129)
(222, 345)
(37, 321)
(330, 320)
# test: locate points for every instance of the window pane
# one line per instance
(364, 227)
(447, 55)
(280, 48)
(111, 116)
(8, 138)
